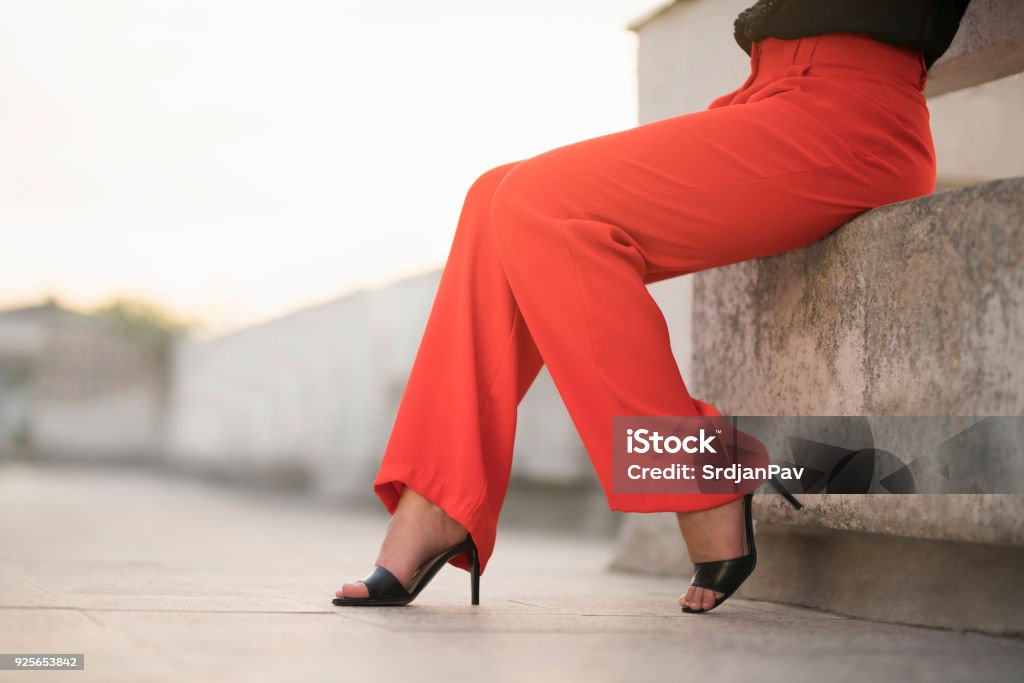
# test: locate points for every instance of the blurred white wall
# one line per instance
(977, 132)
(74, 386)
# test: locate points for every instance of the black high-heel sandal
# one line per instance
(386, 590)
(726, 576)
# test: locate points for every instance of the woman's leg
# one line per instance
(447, 462)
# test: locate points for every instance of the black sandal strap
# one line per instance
(382, 585)
(723, 576)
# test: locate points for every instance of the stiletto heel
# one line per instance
(777, 485)
(385, 590)
(474, 576)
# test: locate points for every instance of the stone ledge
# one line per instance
(914, 308)
(988, 45)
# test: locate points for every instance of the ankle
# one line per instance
(714, 534)
(445, 525)
(420, 506)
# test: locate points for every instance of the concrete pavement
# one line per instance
(158, 579)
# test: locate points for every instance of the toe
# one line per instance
(709, 599)
(353, 590)
(693, 598)
(699, 600)
(687, 599)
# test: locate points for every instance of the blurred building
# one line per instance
(76, 386)
(23, 334)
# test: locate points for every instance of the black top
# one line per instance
(925, 25)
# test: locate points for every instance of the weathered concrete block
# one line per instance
(915, 308)
(988, 45)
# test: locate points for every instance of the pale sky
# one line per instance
(234, 161)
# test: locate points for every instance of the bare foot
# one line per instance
(417, 531)
(711, 535)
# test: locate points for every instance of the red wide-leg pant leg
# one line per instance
(453, 437)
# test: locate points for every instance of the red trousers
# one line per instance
(552, 255)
